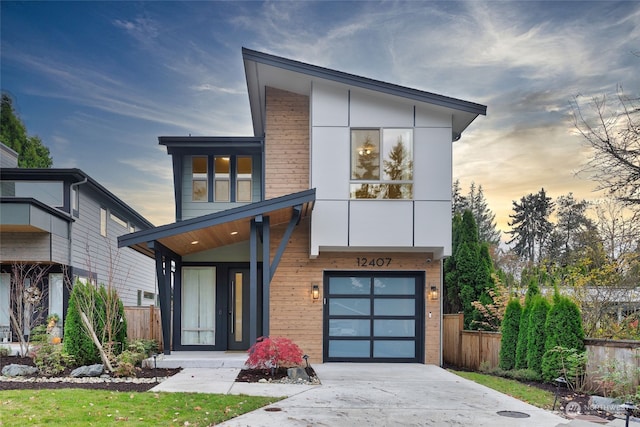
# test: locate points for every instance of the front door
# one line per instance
(238, 329)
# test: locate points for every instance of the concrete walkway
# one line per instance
(369, 394)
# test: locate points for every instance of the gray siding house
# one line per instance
(65, 221)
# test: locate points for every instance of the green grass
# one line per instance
(76, 407)
(530, 394)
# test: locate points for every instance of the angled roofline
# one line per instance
(217, 218)
(363, 82)
(77, 175)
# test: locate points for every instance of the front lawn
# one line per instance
(525, 392)
(76, 407)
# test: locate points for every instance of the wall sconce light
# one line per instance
(315, 291)
(433, 294)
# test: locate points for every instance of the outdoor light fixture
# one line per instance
(315, 291)
(433, 294)
(628, 408)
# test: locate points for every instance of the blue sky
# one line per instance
(100, 81)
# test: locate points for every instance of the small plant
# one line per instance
(146, 347)
(50, 359)
(271, 353)
(615, 379)
(4, 351)
(39, 334)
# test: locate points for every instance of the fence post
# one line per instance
(152, 322)
(460, 329)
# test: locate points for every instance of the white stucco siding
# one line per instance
(329, 105)
(329, 225)
(433, 225)
(368, 109)
(432, 163)
(379, 223)
(330, 163)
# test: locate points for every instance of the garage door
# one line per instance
(373, 317)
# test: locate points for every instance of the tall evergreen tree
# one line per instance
(485, 218)
(510, 327)
(523, 330)
(571, 224)
(536, 333)
(458, 201)
(530, 224)
(398, 167)
(13, 133)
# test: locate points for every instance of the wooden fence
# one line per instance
(144, 323)
(468, 349)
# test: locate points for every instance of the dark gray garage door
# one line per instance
(374, 317)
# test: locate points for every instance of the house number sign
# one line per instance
(373, 262)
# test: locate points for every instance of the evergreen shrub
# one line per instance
(510, 327)
(536, 340)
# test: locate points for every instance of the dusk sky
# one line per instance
(98, 82)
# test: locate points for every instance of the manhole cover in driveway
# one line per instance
(273, 409)
(513, 414)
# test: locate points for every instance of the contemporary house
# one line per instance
(61, 225)
(327, 226)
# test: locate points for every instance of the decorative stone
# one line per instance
(262, 380)
(88, 371)
(14, 370)
(297, 374)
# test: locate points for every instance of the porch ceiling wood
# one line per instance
(214, 230)
(220, 235)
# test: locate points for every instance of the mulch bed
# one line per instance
(119, 386)
(255, 375)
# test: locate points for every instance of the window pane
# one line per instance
(199, 188)
(394, 307)
(103, 222)
(349, 285)
(365, 154)
(394, 286)
(394, 328)
(222, 167)
(349, 327)
(339, 348)
(401, 349)
(244, 191)
(200, 167)
(395, 191)
(244, 167)
(222, 190)
(199, 191)
(398, 155)
(349, 307)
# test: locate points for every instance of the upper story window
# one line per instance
(381, 164)
(118, 220)
(243, 179)
(103, 222)
(200, 179)
(231, 178)
(222, 179)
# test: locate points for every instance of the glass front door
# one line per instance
(198, 306)
(238, 332)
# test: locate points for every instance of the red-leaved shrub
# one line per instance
(276, 352)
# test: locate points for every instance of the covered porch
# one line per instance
(170, 244)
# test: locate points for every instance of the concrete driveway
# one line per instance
(390, 395)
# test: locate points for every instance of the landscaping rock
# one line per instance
(14, 370)
(297, 374)
(88, 371)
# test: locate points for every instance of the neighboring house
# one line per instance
(329, 226)
(65, 222)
